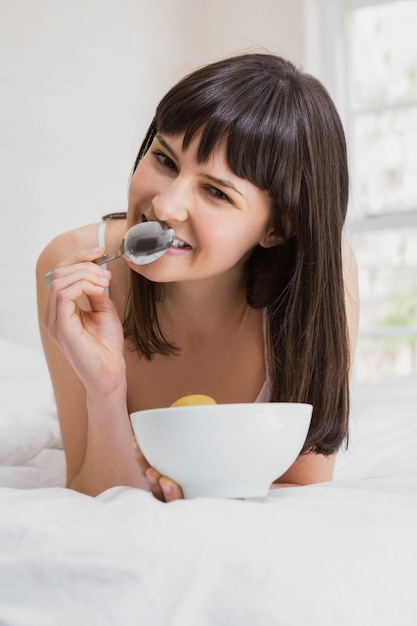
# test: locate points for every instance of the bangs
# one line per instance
(250, 117)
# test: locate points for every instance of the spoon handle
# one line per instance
(48, 277)
(107, 258)
(100, 261)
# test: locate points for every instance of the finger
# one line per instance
(171, 490)
(74, 272)
(161, 487)
(63, 305)
(65, 277)
(81, 256)
(153, 477)
(139, 458)
(67, 290)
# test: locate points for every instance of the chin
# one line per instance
(154, 272)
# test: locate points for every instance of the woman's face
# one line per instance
(218, 218)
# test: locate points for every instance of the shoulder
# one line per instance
(60, 247)
(65, 245)
(350, 265)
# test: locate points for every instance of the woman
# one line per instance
(256, 300)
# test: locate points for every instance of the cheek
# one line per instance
(226, 246)
(239, 235)
(140, 190)
(134, 185)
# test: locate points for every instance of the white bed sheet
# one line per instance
(336, 554)
(31, 452)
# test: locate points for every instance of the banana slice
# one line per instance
(193, 400)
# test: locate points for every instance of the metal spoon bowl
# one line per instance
(142, 244)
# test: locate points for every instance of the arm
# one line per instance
(306, 470)
(83, 343)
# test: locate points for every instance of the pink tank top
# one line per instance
(265, 393)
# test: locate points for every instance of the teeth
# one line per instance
(179, 244)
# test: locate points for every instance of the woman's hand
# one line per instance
(161, 487)
(83, 321)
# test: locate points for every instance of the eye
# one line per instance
(219, 195)
(164, 160)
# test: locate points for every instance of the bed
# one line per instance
(333, 554)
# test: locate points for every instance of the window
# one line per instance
(369, 63)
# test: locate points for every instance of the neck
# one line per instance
(196, 308)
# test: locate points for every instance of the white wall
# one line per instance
(79, 80)
(276, 25)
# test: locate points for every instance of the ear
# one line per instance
(271, 239)
(277, 236)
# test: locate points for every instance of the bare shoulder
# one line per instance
(350, 272)
(62, 246)
(350, 265)
(85, 237)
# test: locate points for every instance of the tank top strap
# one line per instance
(101, 234)
(101, 242)
(265, 393)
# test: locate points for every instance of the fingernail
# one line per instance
(167, 489)
(152, 479)
(99, 249)
(106, 272)
(135, 444)
(152, 475)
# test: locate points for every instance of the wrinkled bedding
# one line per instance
(31, 453)
(335, 554)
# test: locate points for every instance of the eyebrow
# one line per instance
(222, 183)
(218, 181)
(166, 146)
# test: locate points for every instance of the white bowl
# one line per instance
(223, 450)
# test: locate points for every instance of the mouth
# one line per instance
(180, 244)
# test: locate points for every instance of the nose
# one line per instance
(172, 204)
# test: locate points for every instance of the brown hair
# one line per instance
(284, 135)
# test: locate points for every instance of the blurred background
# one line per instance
(79, 81)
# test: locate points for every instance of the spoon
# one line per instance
(142, 244)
